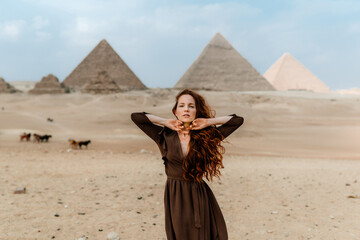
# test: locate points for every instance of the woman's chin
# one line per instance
(188, 121)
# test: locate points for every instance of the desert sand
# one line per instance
(291, 171)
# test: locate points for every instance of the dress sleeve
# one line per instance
(230, 126)
(143, 122)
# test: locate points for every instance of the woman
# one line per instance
(191, 149)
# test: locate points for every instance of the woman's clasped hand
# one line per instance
(177, 125)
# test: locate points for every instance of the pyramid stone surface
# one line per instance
(48, 85)
(101, 84)
(287, 73)
(221, 67)
(6, 87)
(103, 58)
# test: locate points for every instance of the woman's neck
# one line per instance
(186, 130)
(186, 126)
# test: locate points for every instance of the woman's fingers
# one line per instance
(198, 124)
(174, 124)
(194, 126)
(179, 125)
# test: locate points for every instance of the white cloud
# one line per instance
(89, 19)
(201, 20)
(83, 25)
(327, 7)
(43, 36)
(85, 31)
(354, 28)
(39, 22)
(12, 29)
(89, 6)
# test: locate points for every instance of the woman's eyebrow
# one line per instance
(185, 103)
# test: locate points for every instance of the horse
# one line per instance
(73, 143)
(25, 136)
(36, 137)
(85, 143)
(45, 138)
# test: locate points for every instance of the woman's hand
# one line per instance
(199, 123)
(174, 124)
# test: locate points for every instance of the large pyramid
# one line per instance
(6, 87)
(289, 74)
(103, 58)
(49, 84)
(221, 67)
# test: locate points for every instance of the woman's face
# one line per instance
(186, 108)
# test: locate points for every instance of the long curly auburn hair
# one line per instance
(205, 149)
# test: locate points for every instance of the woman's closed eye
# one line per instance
(183, 105)
(190, 106)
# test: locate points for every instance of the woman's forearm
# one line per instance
(211, 121)
(218, 120)
(156, 119)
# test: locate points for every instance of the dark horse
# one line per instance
(25, 136)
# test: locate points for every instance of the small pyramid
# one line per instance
(48, 85)
(103, 58)
(101, 84)
(221, 67)
(6, 87)
(287, 73)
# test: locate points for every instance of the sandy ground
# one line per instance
(292, 171)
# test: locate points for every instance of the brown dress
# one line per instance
(191, 210)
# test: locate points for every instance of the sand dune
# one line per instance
(290, 171)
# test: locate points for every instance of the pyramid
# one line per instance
(221, 67)
(103, 58)
(101, 84)
(6, 87)
(287, 73)
(49, 84)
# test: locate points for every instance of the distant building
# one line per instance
(103, 58)
(6, 87)
(49, 84)
(221, 67)
(287, 73)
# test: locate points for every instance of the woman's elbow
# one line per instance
(136, 116)
(239, 120)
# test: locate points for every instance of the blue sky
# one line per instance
(159, 39)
